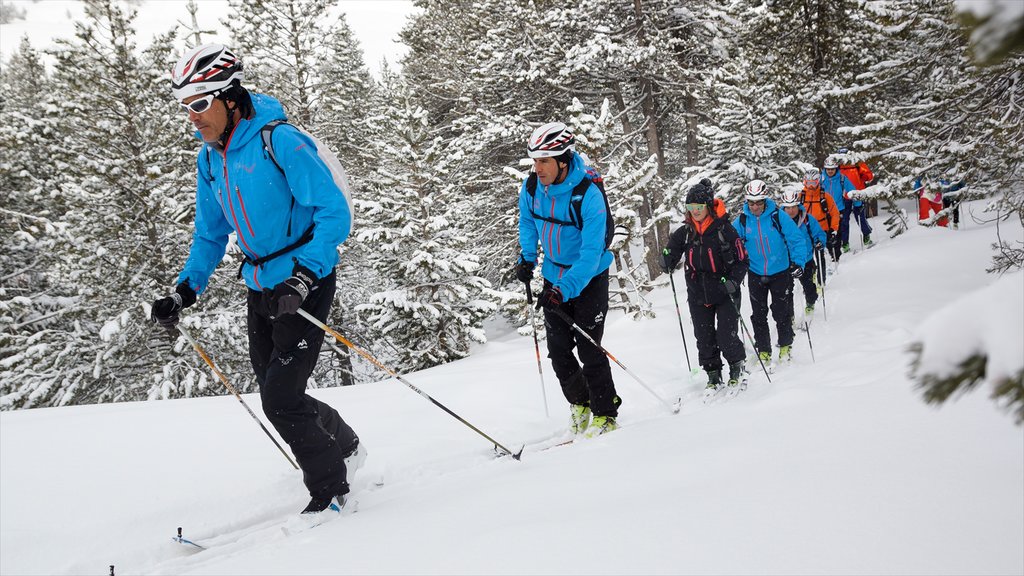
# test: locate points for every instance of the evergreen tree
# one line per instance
(435, 303)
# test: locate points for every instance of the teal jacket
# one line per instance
(241, 191)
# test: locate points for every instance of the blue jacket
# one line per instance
(838, 186)
(770, 250)
(581, 253)
(240, 190)
(812, 229)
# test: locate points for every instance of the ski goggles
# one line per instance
(199, 105)
(692, 207)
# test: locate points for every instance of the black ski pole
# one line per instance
(224, 379)
(565, 317)
(536, 346)
(807, 329)
(375, 362)
(824, 278)
(747, 332)
(682, 331)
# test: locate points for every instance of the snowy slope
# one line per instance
(836, 467)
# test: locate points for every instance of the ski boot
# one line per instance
(737, 376)
(335, 503)
(601, 425)
(867, 241)
(714, 380)
(580, 418)
(846, 248)
(785, 354)
(809, 309)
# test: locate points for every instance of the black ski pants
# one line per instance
(807, 281)
(283, 352)
(780, 287)
(592, 386)
(715, 341)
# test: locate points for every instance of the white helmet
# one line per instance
(789, 198)
(551, 139)
(831, 162)
(756, 190)
(206, 69)
(812, 178)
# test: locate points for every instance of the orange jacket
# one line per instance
(827, 215)
(858, 175)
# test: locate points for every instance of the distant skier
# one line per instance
(929, 199)
(790, 203)
(714, 265)
(951, 198)
(819, 204)
(839, 187)
(860, 175)
(778, 251)
(562, 206)
(288, 222)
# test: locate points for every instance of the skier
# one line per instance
(860, 176)
(241, 190)
(821, 205)
(778, 251)
(929, 199)
(563, 207)
(839, 187)
(715, 263)
(790, 203)
(951, 198)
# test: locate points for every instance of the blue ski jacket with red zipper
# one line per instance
(240, 190)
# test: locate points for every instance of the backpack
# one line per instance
(326, 154)
(576, 204)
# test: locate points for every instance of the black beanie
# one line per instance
(700, 194)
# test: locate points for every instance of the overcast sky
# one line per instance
(376, 23)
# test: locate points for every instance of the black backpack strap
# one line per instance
(266, 134)
(306, 237)
(531, 184)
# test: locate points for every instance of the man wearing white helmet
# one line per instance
(839, 187)
(289, 216)
(777, 252)
(792, 204)
(563, 207)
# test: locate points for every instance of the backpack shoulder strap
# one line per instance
(743, 219)
(531, 184)
(576, 200)
(266, 134)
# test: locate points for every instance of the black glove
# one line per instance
(831, 239)
(668, 260)
(796, 271)
(524, 271)
(818, 245)
(550, 297)
(730, 286)
(165, 310)
(288, 296)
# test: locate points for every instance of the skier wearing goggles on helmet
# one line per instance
(289, 216)
(822, 207)
(839, 187)
(860, 175)
(791, 203)
(563, 208)
(778, 252)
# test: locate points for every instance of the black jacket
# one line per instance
(708, 259)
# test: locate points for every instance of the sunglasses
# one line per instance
(199, 105)
(755, 202)
(696, 206)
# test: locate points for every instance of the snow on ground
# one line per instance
(837, 467)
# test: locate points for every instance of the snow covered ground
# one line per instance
(837, 467)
